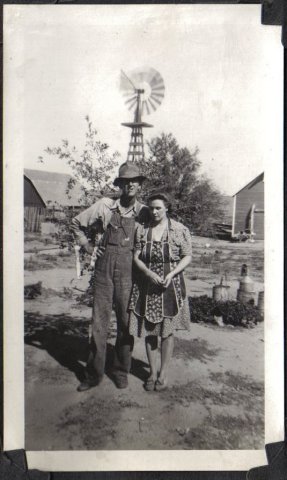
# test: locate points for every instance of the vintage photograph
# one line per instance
(145, 140)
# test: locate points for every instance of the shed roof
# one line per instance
(52, 187)
(253, 182)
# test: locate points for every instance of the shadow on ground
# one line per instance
(196, 349)
(65, 339)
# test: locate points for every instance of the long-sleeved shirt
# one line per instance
(99, 215)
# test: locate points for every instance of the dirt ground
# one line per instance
(215, 398)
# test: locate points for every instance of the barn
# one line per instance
(45, 197)
(52, 187)
(248, 209)
(34, 207)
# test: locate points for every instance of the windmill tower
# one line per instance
(144, 92)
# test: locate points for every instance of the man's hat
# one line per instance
(128, 170)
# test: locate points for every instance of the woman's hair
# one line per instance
(163, 197)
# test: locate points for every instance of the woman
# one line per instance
(158, 304)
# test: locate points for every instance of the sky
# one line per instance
(223, 75)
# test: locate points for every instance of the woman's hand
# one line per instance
(167, 280)
(155, 279)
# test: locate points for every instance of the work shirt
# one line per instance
(99, 215)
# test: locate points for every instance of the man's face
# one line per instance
(130, 187)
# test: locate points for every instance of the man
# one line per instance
(113, 273)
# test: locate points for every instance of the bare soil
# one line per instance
(215, 398)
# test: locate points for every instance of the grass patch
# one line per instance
(48, 261)
(40, 262)
(223, 431)
(94, 421)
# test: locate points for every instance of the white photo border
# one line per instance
(14, 427)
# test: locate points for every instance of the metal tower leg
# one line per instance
(136, 146)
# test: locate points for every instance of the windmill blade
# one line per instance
(132, 105)
(160, 95)
(148, 110)
(141, 76)
(152, 74)
(158, 89)
(145, 105)
(156, 80)
(155, 99)
(134, 97)
(152, 104)
(146, 82)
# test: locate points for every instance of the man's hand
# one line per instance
(99, 252)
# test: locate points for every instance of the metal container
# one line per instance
(261, 302)
(245, 297)
(246, 292)
(220, 292)
(246, 284)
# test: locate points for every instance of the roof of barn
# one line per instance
(52, 187)
(251, 184)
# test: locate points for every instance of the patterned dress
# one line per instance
(154, 310)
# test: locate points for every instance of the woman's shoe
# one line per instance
(160, 385)
(149, 384)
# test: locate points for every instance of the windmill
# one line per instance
(143, 90)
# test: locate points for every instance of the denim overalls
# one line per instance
(113, 283)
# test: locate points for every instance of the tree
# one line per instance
(168, 167)
(92, 168)
(175, 170)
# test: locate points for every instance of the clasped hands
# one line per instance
(158, 281)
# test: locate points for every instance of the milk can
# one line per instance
(261, 302)
(246, 292)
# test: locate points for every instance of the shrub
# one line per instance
(204, 308)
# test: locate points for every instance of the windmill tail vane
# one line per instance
(144, 91)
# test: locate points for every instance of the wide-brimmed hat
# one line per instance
(128, 170)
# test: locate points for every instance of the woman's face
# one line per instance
(158, 210)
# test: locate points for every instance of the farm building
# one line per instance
(45, 197)
(227, 209)
(52, 187)
(34, 206)
(248, 209)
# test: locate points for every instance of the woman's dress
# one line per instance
(154, 310)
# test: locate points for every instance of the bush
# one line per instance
(204, 309)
